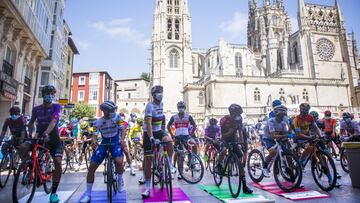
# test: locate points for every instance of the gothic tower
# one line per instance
(269, 30)
(171, 50)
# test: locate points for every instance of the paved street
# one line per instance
(76, 181)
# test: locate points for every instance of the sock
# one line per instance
(120, 179)
(89, 188)
(148, 184)
(55, 185)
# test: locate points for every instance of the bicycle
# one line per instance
(71, 155)
(87, 153)
(161, 172)
(33, 173)
(136, 151)
(322, 164)
(231, 169)
(110, 178)
(9, 163)
(192, 162)
(209, 156)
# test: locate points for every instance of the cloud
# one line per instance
(121, 29)
(237, 26)
(84, 45)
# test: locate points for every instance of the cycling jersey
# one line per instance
(351, 128)
(302, 125)
(329, 125)
(110, 128)
(213, 132)
(227, 123)
(274, 126)
(135, 131)
(156, 112)
(182, 125)
(16, 126)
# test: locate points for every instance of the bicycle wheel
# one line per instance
(109, 177)
(47, 171)
(192, 170)
(287, 172)
(324, 171)
(154, 178)
(255, 165)
(168, 180)
(5, 169)
(343, 161)
(24, 185)
(217, 173)
(88, 154)
(66, 161)
(115, 178)
(233, 174)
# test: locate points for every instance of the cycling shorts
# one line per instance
(147, 145)
(181, 139)
(100, 152)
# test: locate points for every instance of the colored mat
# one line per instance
(223, 193)
(298, 194)
(156, 195)
(101, 196)
(43, 197)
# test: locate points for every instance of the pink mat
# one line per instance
(156, 195)
(298, 194)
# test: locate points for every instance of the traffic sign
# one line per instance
(63, 101)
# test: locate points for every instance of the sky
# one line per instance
(115, 35)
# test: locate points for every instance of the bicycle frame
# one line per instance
(35, 163)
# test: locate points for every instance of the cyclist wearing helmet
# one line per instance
(132, 120)
(275, 103)
(124, 145)
(182, 121)
(276, 128)
(87, 136)
(154, 128)
(47, 116)
(330, 130)
(318, 121)
(232, 131)
(212, 131)
(17, 125)
(349, 129)
(111, 127)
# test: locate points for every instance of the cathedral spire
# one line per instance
(301, 14)
(341, 18)
(252, 4)
(266, 2)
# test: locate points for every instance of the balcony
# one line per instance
(8, 68)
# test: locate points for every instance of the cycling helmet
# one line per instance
(133, 115)
(108, 106)
(327, 113)
(156, 89)
(140, 121)
(315, 114)
(14, 110)
(305, 106)
(276, 103)
(48, 89)
(213, 121)
(181, 104)
(281, 110)
(84, 125)
(346, 115)
(235, 111)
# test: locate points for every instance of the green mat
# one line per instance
(223, 193)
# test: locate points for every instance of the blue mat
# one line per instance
(101, 196)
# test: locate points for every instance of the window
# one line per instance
(81, 96)
(173, 59)
(201, 98)
(169, 28)
(177, 29)
(94, 78)
(306, 95)
(8, 55)
(93, 94)
(193, 65)
(279, 61)
(275, 20)
(69, 59)
(129, 95)
(82, 80)
(295, 53)
(283, 100)
(177, 9)
(257, 97)
(135, 84)
(281, 91)
(169, 6)
(44, 78)
(238, 61)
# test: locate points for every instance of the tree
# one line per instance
(82, 110)
(145, 76)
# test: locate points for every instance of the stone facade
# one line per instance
(316, 64)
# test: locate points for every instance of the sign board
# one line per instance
(63, 101)
(69, 106)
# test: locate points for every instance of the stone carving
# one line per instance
(325, 49)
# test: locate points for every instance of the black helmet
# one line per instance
(346, 115)
(108, 106)
(305, 106)
(235, 111)
(181, 104)
(156, 89)
(14, 110)
(213, 121)
(48, 89)
(281, 110)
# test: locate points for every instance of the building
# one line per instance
(93, 88)
(25, 30)
(71, 52)
(132, 96)
(314, 64)
(53, 68)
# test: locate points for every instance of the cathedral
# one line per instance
(316, 64)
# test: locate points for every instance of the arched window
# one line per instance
(238, 61)
(177, 29)
(306, 95)
(169, 28)
(275, 20)
(9, 61)
(257, 97)
(169, 6)
(173, 59)
(295, 53)
(201, 98)
(279, 61)
(177, 8)
(282, 99)
(281, 92)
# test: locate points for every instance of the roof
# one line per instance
(128, 79)
(83, 72)
(73, 46)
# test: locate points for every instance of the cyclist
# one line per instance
(87, 136)
(47, 117)
(182, 122)
(318, 121)
(153, 133)
(330, 130)
(231, 131)
(132, 120)
(111, 127)
(275, 103)
(124, 145)
(276, 128)
(17, 125)
(212, 133)
(349, 129)
(303, 123)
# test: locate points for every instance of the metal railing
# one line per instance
(8, 68)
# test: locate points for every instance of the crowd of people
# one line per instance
(122, 134)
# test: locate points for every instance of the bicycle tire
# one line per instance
(110, 179)
(64, 169)
(5, 170)
(277, 167)
(328, 157)
(88, 154)
(219, 173)
(168, 180)
(249, 165)
(344, 166)
(181, 172)
(153, 175)
(210, 161)
(19, 177)
(49, 169)
(233, 157)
